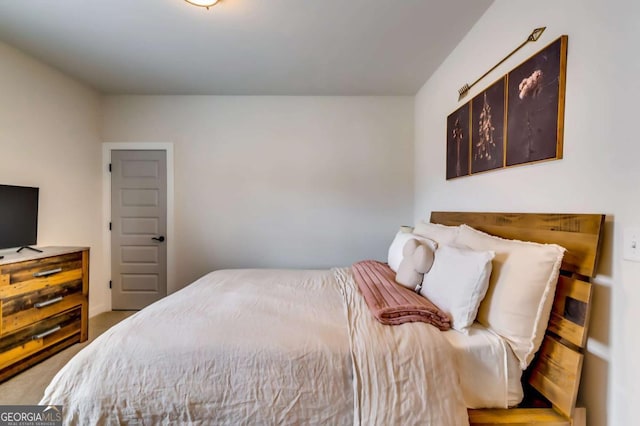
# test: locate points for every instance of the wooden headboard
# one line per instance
(580, 234)
(555, 372)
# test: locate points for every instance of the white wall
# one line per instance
(292, 182)
(599, 172)
(49, 138)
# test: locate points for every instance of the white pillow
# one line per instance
(457, 283)
(521, 289)
(441, 234)
(397, 245)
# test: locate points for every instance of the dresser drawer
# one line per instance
(40, 335)
(34, 290)
(47, 267)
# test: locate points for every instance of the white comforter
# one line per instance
(262, 347)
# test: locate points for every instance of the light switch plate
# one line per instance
(631, 244)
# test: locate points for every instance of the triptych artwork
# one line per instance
(518, 119)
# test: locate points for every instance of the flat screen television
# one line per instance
(18, 216)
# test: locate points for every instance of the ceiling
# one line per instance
(242, 47)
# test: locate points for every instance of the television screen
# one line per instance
(18, 216)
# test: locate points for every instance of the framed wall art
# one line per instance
(535, 111)
(458, 142)
(519, 119)
(487, 128)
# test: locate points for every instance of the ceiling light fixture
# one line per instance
(203, 3)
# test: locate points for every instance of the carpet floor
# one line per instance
(28, 387)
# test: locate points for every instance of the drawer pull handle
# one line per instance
(47, 273)
(48, 302)
(46, 333)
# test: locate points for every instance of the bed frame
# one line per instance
(552, 380)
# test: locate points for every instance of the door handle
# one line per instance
(160, 238)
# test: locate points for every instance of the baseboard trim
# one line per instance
(97, 310)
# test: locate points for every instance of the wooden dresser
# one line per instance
(43, 305)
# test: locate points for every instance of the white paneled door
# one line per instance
(138, 228)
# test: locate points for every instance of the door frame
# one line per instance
(107, 147)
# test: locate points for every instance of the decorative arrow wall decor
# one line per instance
(534, 36)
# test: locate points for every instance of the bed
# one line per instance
(259, 346)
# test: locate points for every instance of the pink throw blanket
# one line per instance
(391, 303)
